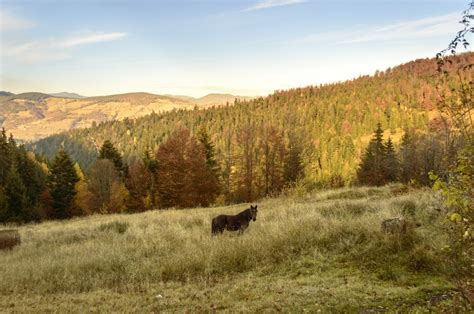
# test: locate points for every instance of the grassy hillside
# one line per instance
(321, 251)
(31, 116)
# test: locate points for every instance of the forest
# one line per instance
(306, 138)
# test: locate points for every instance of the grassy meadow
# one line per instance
(319, 251)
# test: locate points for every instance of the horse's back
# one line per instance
(219, 223)
(219, 219)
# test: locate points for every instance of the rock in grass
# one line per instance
(9, 238)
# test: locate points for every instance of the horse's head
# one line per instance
(253, 212)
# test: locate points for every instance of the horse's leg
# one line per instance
(242, 228)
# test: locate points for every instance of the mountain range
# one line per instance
(32, 116)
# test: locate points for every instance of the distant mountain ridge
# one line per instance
(34, 115)
(67, 95)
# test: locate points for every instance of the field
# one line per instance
(319, 251)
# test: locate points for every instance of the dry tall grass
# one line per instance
(333, 233)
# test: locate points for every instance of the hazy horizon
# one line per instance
(194, 48)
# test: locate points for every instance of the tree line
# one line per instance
(418, 154)
(182, 172)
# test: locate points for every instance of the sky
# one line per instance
(196, 47)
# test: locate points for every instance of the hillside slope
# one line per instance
(332, 123)
(320, 252)
(31, 116)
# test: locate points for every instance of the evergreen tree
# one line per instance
(108, 151)
(3, 205)
(5, 158)
(371, 170)
(32, 176)
(61, 182)
(209, 151)
(16, 200)
(391, 164)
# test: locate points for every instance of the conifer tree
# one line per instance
(391, 164)
(3, 205)
(371, 170)
(5, 158)
(209, 151)
(61, 182)
(15, 193)
(108, 151)
(32, 176)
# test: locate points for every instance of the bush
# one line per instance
(9, 238)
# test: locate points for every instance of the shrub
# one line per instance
(9, 238)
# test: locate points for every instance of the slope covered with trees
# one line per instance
(329, 124)
(309, 137)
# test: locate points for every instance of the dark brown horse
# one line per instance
(238, 222)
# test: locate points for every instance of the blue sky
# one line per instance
(195, 47)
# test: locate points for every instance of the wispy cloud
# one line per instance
(421, 28)
(267, 4)
(53, 49)
(91, 39)
(428, 27)
(10, 21)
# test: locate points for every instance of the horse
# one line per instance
(238, 222)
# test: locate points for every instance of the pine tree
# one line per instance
(213, 172)
(371, 170)
(32, 176)
(391, 164)
(209, 150)
(61, 182)
(15, 193)
(3, 205)
(108, 151)
(5, 158)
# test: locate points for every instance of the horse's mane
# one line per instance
(245, 213)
